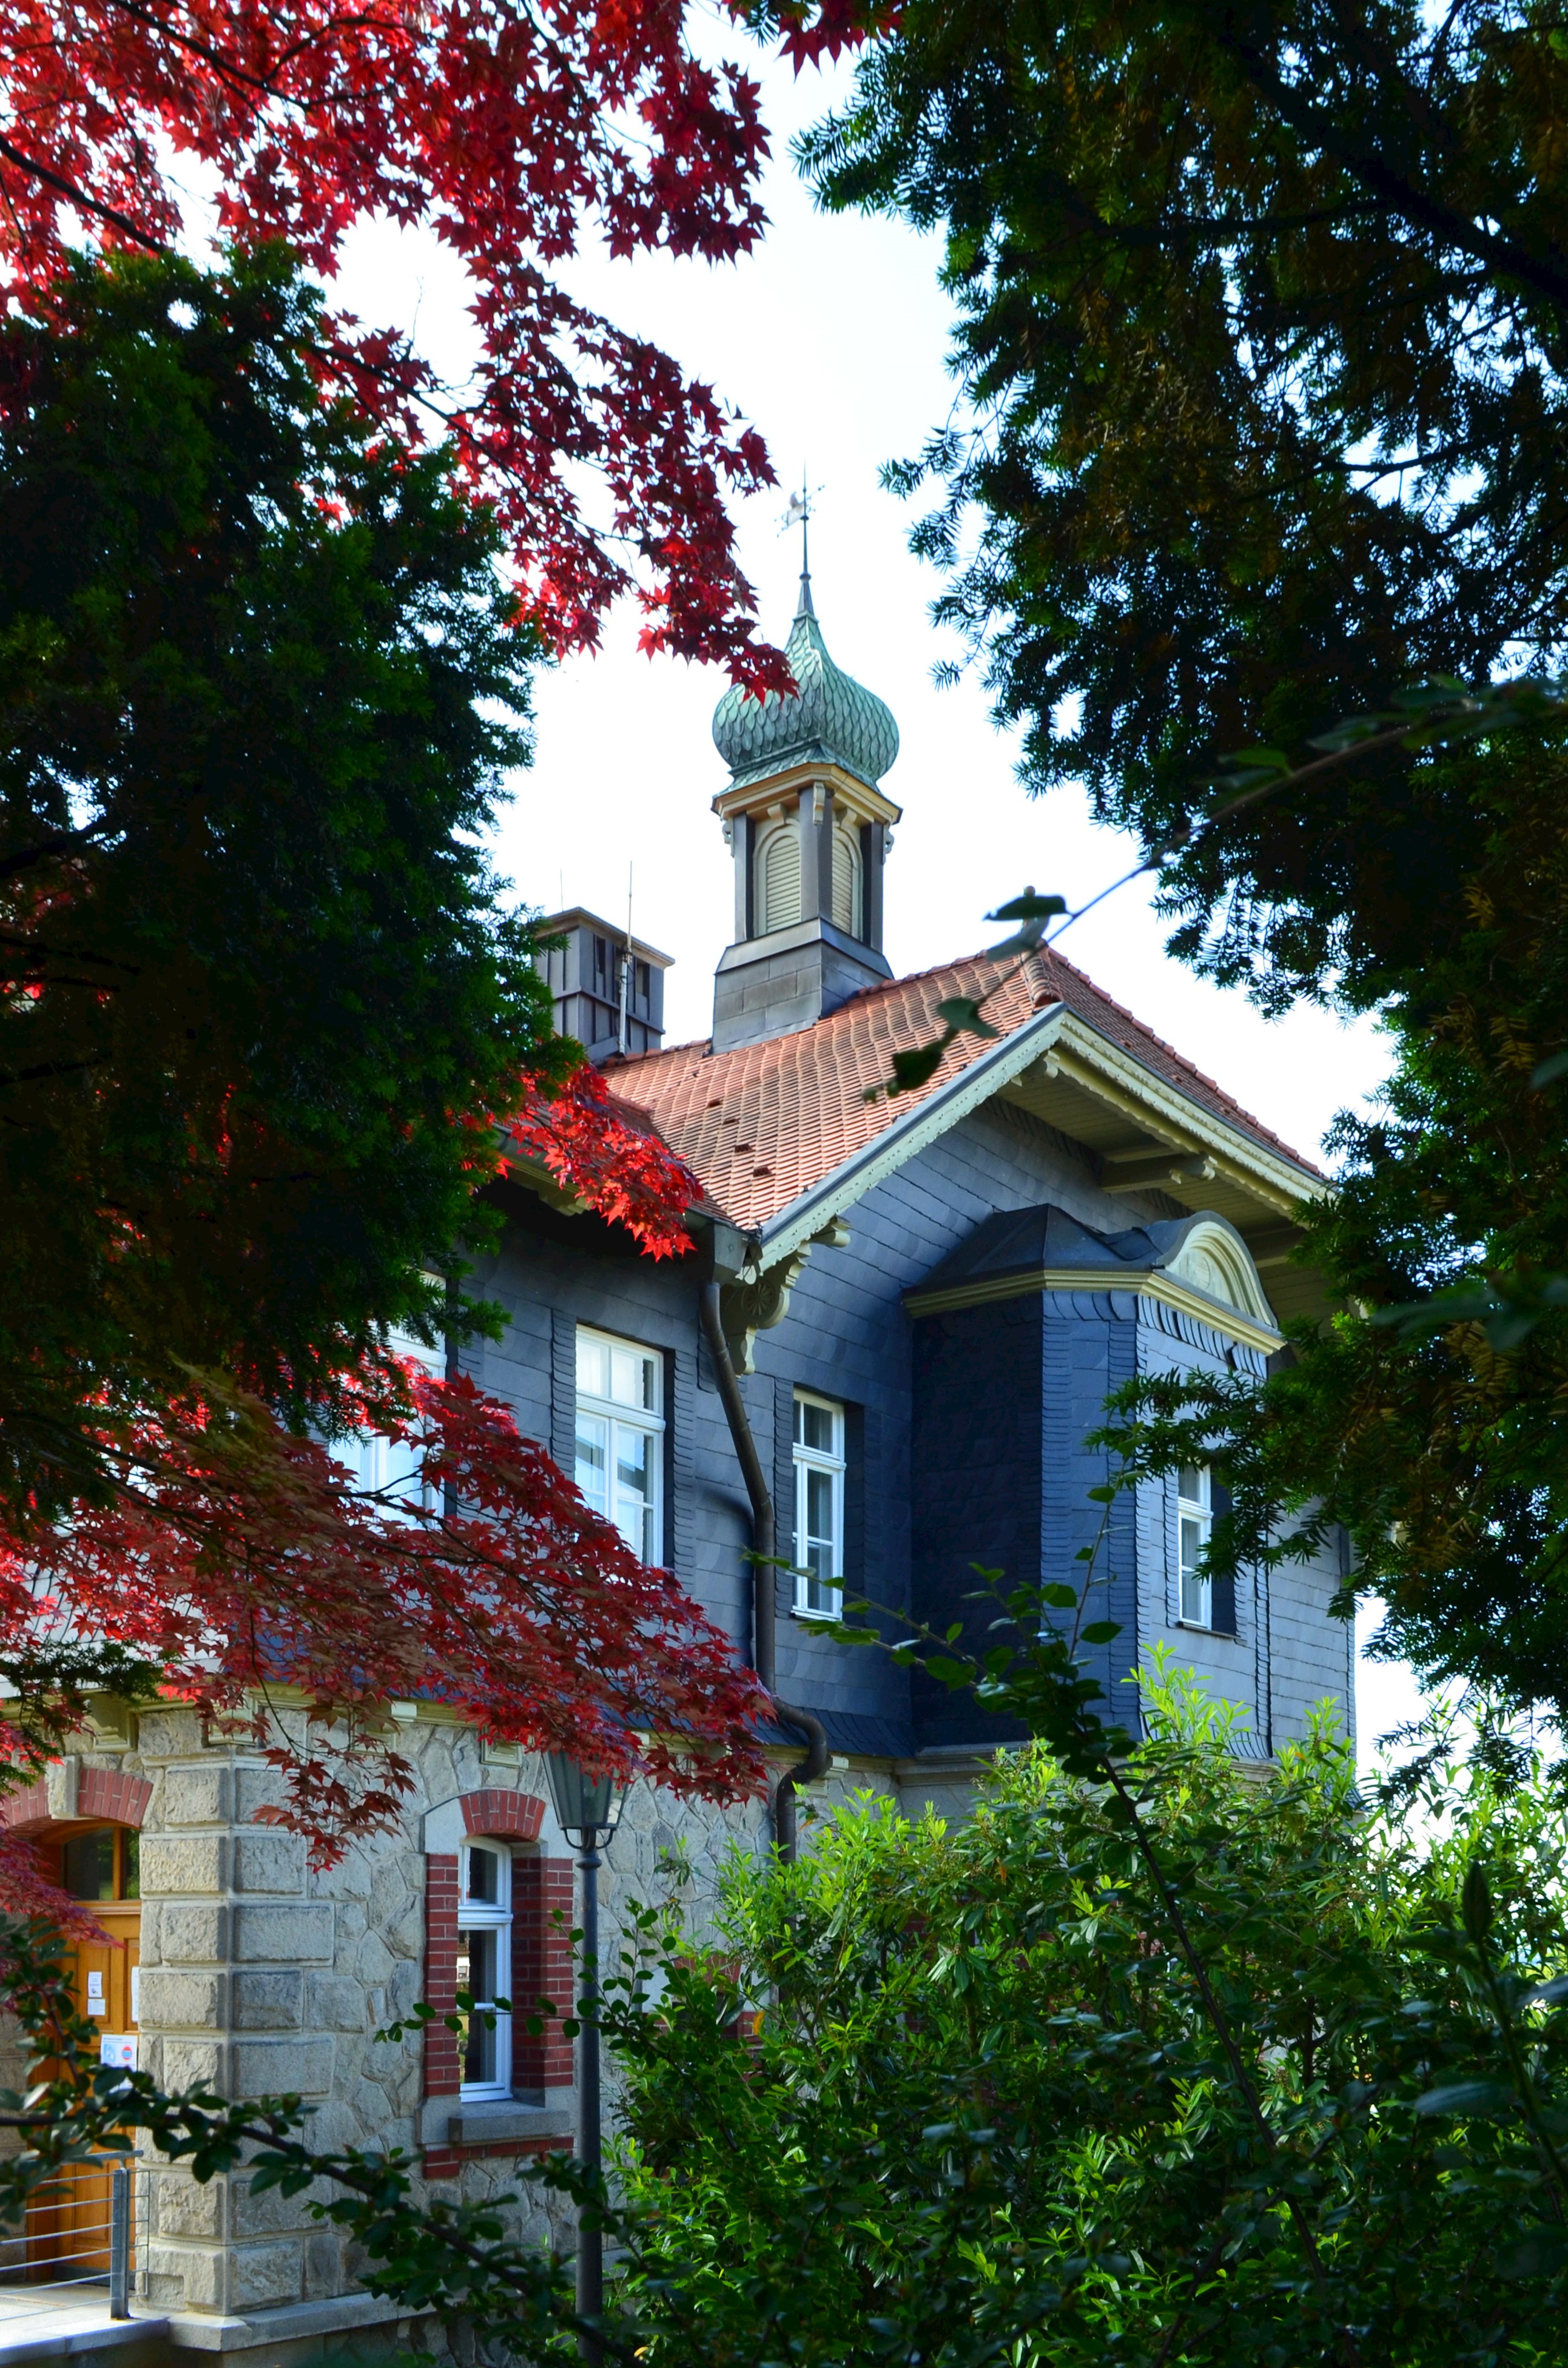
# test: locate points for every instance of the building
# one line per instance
(924, 1299)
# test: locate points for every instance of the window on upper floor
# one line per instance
(484, 1969)
(818, 1505)
(389, 1469)
(620, 1431)
(1195, 1519)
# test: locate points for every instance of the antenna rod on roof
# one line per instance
(622, 1029)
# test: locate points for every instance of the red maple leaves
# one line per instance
(605, 1153)
(502, 126)
(291, 1606)
(276, 1597)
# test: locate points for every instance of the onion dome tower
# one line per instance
(810, 830)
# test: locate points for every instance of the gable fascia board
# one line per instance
(1149, 1097)
(864, 1169)
(1145, 1097)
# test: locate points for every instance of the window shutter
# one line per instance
(562, 1388)
(782, 878)
(783, 1487)
(681, 1467)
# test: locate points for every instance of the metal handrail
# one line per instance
(86, 2238)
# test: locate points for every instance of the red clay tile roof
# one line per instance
(765, 1122)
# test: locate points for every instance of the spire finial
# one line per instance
(800, 512)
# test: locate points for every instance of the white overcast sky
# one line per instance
(831, 338)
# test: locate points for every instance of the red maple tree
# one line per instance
(501, 126)
(605, 1152)
(241, 1561)
(291, 1605)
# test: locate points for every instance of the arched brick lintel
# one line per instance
(28, 1811)
(519, 1816)
(107, 1793)
(105, 1796)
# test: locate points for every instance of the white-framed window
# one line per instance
(1195, 1518)
(390, 1468)
(818, 1505)
(620, 1437)
(484, 1967)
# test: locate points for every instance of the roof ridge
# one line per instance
(852, 1003)
(1043, 975)
(661, 1053)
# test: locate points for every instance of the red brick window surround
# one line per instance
(541, 1951)
(105, 1796)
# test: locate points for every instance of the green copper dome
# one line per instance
(828, 720)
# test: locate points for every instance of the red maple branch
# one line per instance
(503, 126)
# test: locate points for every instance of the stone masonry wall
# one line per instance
(262, 1975)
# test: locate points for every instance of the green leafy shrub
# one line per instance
(985, 2111)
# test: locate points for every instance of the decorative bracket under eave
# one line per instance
(756, 1303)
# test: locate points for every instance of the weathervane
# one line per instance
(800, 513)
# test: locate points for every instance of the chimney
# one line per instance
(607, 988)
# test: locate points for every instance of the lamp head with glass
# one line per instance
(587, 1806)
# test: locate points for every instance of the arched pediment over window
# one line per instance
(1214, 1260)
(1199, 1265)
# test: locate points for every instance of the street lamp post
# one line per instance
(587, 1808)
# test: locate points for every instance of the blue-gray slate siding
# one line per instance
(958, 1421)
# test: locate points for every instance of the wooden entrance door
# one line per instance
(68, 2223)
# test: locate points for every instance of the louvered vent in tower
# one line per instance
(781, 877)
(846, 883)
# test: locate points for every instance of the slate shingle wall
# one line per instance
(977, 1434)
(982, 1489)
(1313, 1655)
(1090, 1348)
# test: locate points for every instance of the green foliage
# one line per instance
(1261, 320)
(258, 685)
(1260, 323)
(985, 2114)
(1427, 1419)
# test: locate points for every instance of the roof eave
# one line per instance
(909, 1133)
(1279, 1183)
(1183, 1122)
(1234, 1323)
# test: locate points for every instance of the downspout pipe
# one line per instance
(764, 1544)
